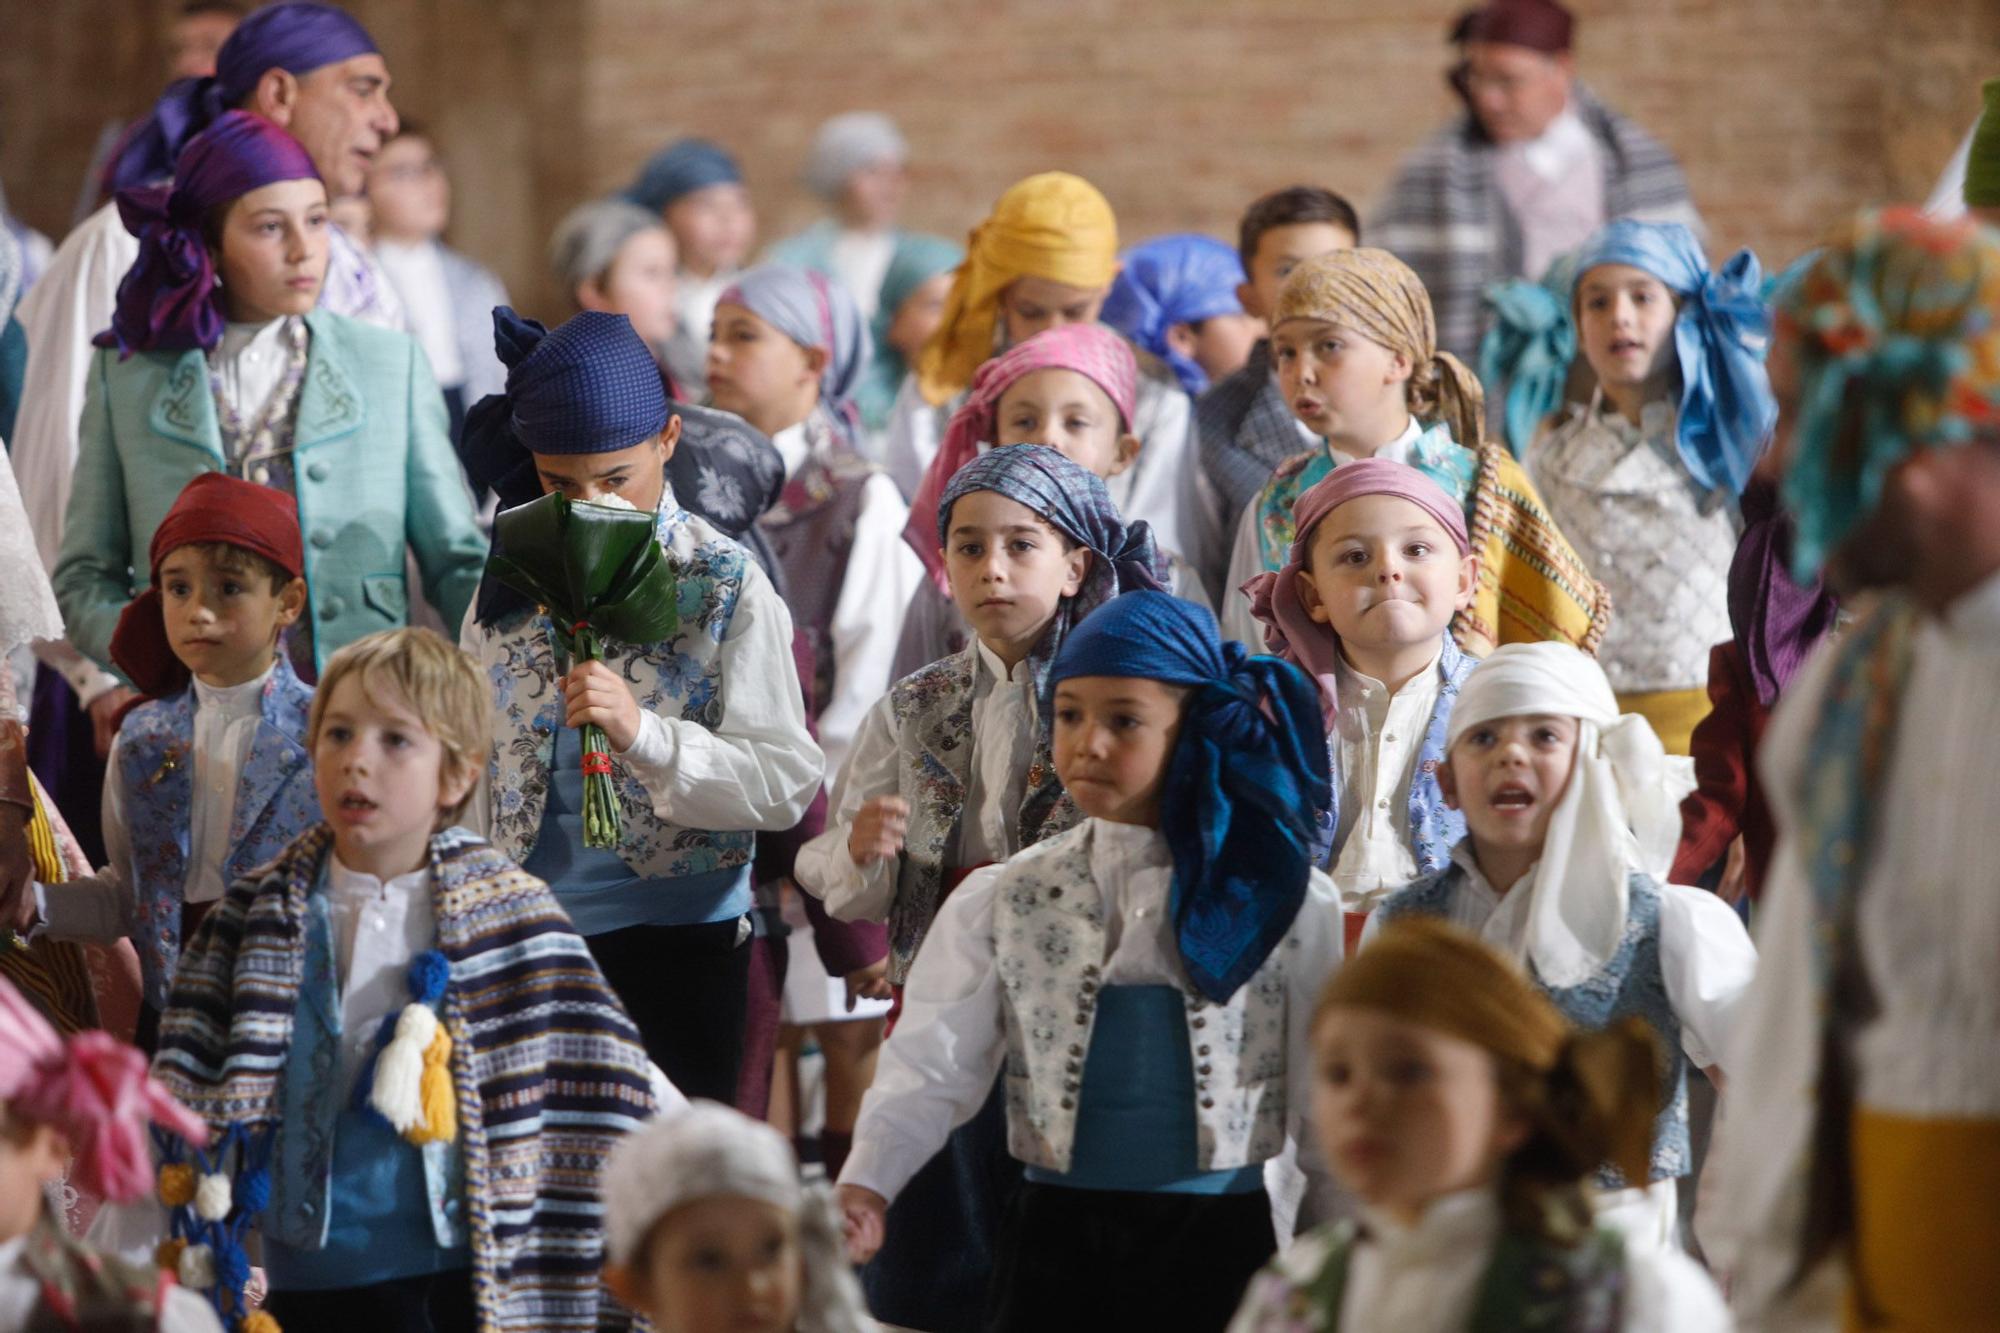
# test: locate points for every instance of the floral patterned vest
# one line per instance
(1631, 983)
(811, 531)
(1048, 947)
(275, 802)
(933, 712)
(679, 678)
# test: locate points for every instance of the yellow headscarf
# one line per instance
(1054, 226)
(1378, 296)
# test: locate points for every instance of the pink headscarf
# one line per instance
(1091, 350)
(1274, 598)
(95, 1089)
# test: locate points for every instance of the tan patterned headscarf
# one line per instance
(1378, 296)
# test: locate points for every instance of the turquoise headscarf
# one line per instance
(917, 259)
(1526, 354)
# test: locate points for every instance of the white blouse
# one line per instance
(1004, 721)
(378, 927)
(1376, 740)
(249, 362)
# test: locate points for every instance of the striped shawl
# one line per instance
(548, 1070)
(1444, 215)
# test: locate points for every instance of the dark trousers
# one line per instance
(433, 1303)
(686, 988)
(1100, 1259)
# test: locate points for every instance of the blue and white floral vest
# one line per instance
(275, 802)
(1049, 950)
(1631, 983)
(681, 678)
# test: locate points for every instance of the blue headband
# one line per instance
(1720, 336)
(1245, 786)
(1179, 279)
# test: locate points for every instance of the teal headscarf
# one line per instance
(1526, 354)
(917, 259)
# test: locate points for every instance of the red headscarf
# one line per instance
(1540, 25)
(214, 507)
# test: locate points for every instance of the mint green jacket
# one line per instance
(374, 471)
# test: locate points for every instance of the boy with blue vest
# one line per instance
(209, 776)
(1143, 983)
(707, 728)
(1572, 813)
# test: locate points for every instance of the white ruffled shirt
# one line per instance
(1377, 737)
(1004, 719)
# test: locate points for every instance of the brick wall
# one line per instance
(1785, 112)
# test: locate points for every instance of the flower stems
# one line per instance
(601, 827)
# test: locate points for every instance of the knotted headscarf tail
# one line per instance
(1381, 298)
(1054, 226)
(1091, 350)
(168, 300)
(1721, 333)
(1618, 815)
(1245, 785)
(1292, 633)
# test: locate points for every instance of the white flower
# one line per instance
(612, 500)
(212, 1197)
(197, 1268)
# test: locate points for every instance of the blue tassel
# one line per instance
(429, 972)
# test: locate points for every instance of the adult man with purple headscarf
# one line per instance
(309, 68)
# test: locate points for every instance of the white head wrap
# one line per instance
(710, 1149)
(849, 143)
(1620, 812)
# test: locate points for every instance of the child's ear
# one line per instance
(1129, 446)
(1180, 338)
(455, 783)
(1310, 599)
(1447, 781)
(1246, 296)
(1079, 570)
(1400, 368)
(1468, 582)
(670, 437)
(291, 603)
(816, 359)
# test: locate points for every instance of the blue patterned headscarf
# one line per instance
(1720, 336)
(679, 169)
(1246, 784)
(1526, 354)
(297, 38)
(1073, 499)
(1180, 279)
(812, 310)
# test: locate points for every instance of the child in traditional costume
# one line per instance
(707, 1227)
(908, 308)
(1073, 388)
(1045, 257)
(218, 360)
(1572, 814)
(706, 730)
(411, 1066)
(1864, 1125)
(1379, 568)
(1145, 981)
(696, 188)
(83, 1105)
(1180, 299)
(1466, 1113)
(210, 778)
(1644, 478)
(1356, 349)
(951, 771)
(1246, 423)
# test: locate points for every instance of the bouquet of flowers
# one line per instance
(597, 573)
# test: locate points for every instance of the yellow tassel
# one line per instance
(258, 1321)
(439, 1122)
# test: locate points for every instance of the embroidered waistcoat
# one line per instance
(811, 531)
(933, 712)
(1049, 950)
(1631, 983)
(679, 678)
(1435, 828)
(274, 803)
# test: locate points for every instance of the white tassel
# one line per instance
(212, 1199)
(197, 1268)
(399, 1070)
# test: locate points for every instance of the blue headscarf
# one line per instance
(1726, 408)
(679, 169)
(812, 310)
(1073, 499)
(916, 259)
(1173, 280)
(297, 38)
(1246, 784)
(1528, 348)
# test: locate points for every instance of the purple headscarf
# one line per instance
(813, 311)
(167, 300)
(297, 38)
(1776, 621)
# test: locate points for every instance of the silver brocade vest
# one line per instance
(933, 712)
(1048, 946)
(679, 678)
